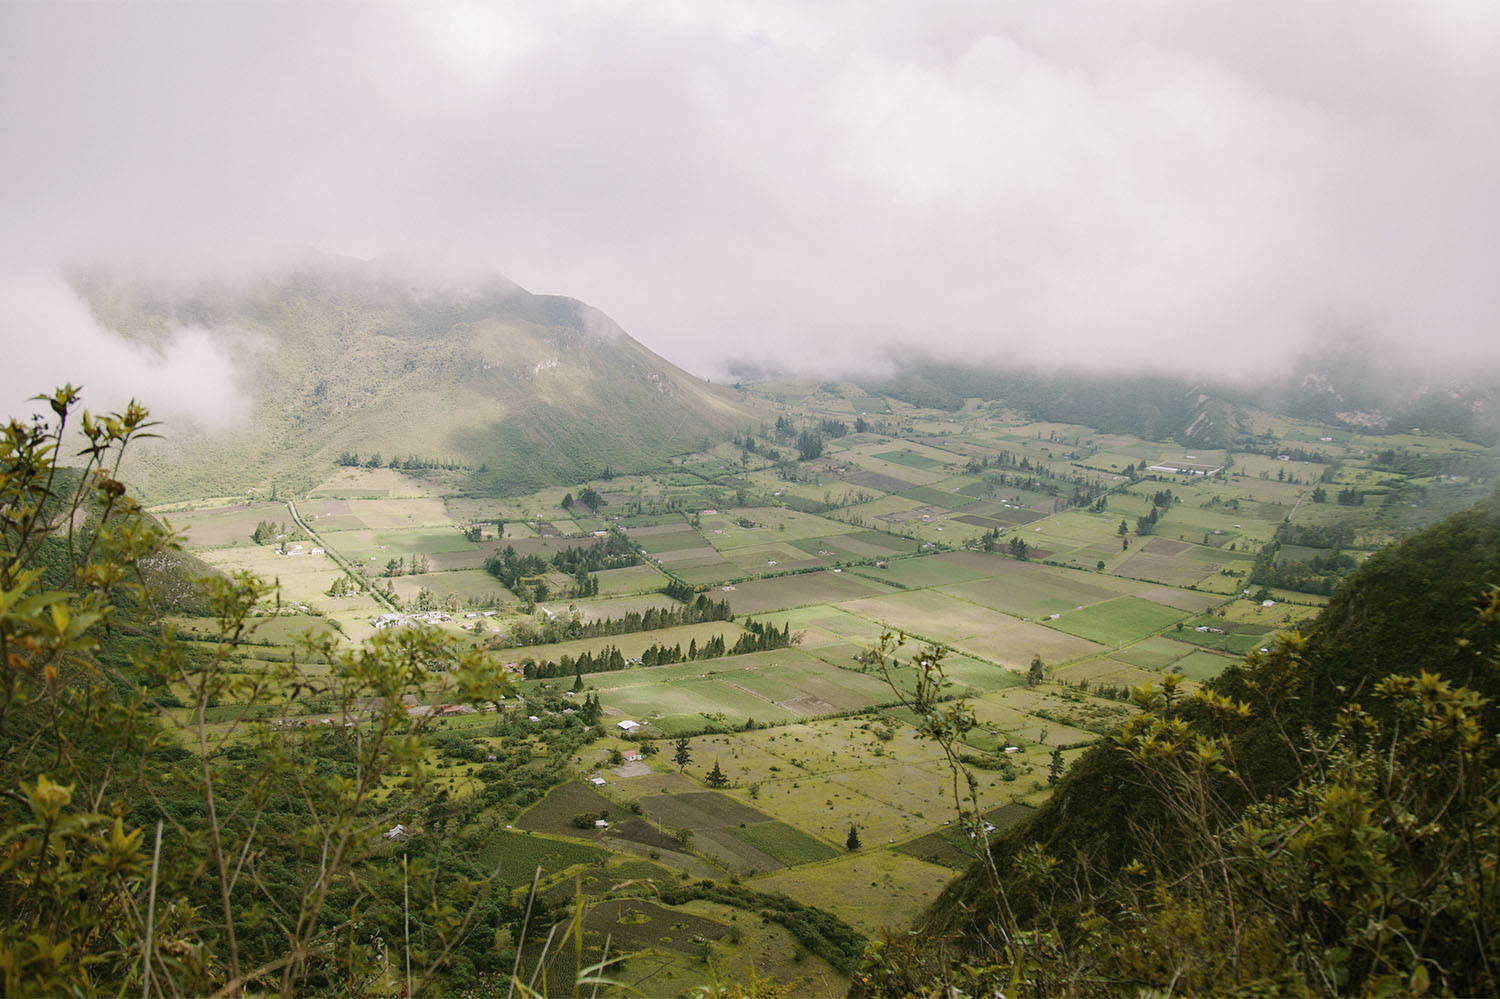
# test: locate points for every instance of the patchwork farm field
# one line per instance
(913, 525)
(218, 527)
(862, 887)
(762, 595)
(1117, 621)
(777, 686)
(977, 631)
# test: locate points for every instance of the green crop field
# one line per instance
(1107, 672)
(788, 845)
(630, 580)
(930, 570)
(780, 685)
(759, 596)
(1025, 589)
(600, 608)
(516, 856)
(463, 585)
(1114, 622)
(554, 813)
(864, 888)
(909, 458)
(667, 538)
(1200, 666)
(972, 629)
(1154, 653)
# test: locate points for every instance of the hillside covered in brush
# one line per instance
(1319, 820)
(506, 390)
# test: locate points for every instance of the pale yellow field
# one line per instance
(864, 887)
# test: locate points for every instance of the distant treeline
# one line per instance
(678, 590)
(757, 638)
(1418, 465)
(1340, 535)
(1272, 448)
(653, 618)
(410, 463)
(1153, 407)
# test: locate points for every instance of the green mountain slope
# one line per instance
(520, 390)
(1335, 835)
(1157, 407)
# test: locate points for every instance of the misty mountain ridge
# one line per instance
(1352, 383)
(509, 390)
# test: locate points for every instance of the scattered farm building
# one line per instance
(627, 725)
(1185, 468)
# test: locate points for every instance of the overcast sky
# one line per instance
(1200, 183)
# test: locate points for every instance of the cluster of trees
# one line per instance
(559, 629)
(832, 429)
(516, 571)
(809, 445)
(1321, 574)
(589, 497)
(679, 591)
(266, 533)
(757, 638)
(1339, 535)
(1270, 569)
(411, 462)
(401, 566)
(809, 441)
(748, 445)
(603, 661)
(613, 551)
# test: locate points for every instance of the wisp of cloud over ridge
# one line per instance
(1131, 184)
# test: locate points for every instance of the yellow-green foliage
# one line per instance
(198, 849)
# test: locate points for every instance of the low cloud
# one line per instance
(1131, 184)
(187, 379)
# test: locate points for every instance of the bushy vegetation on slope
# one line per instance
(1319, 820)
(154, 837)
